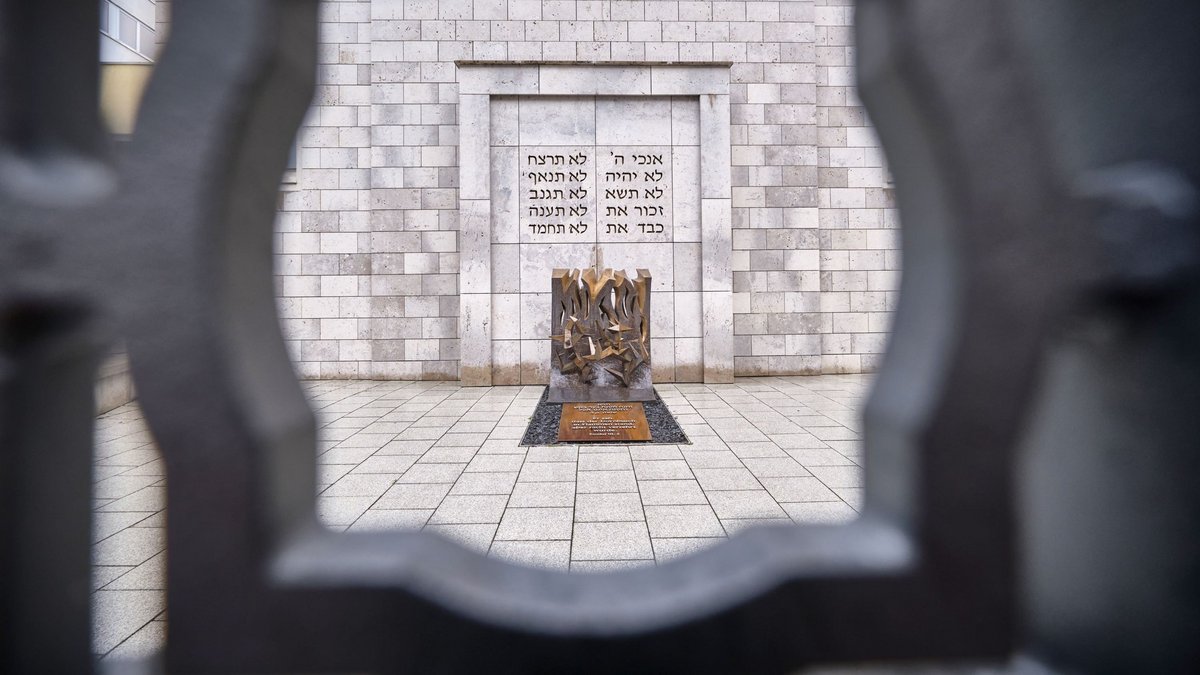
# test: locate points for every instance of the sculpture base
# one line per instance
(590, 394)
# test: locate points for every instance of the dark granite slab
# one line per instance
(543, 427)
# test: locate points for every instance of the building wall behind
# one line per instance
(368, 248)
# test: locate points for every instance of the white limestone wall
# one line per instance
(371, 239)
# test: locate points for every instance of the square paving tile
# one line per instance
(683, 521)
(608, 506)
(536, 523)
(611, 541)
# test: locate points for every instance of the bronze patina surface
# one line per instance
(600, 336)
(604, 422)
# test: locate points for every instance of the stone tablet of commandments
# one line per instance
(600, 336)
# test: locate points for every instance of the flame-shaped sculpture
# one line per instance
(600, 332)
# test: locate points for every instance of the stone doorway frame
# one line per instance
(478, 82)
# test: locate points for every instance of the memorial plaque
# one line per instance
(603, 423)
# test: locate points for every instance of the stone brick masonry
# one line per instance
(367, 246)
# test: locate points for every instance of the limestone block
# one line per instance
(535, 315)
(506, 362)
(633, 121)
(662, 319)
(687, 257)
(505, 183)
(504, 120)
(689, 314)
(717, 268)
(663, 368)
(718, 337)
(506, 315)
(556, 121)
(474, 329)
(685, 80)
(715, 146)
(689, 360)
(685, 173)
(685, 120)
(493, 80)
(631, 256)
(566, 80)
(539, 260)
(535, 361)
(474, 241)
(473, 165)
(506, 268)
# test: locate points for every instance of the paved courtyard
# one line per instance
(445, 458)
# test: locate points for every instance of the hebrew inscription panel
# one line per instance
(557, 194)
(633, 193)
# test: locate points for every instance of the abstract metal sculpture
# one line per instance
(600, 335)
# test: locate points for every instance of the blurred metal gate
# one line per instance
(1032, 443)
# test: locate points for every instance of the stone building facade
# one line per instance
(402, 252)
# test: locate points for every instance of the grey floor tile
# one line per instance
(406, 447)
(360, 485)
(552, 555)
(735, 525)
(547, 472)
(671, 492)
(608, 507)
(810, 457)
(611, 541)
(345, 455)
(775, 466)
(392, 519)
(663, 469)
(447, 455)
(148, 576)
(744, 504)
(120, 614)
(469, 509)
(673, 548)
(122, 486)
(536, 523)
(727, 479)
(105, 525)
(753, 450)
(102, 574)
(131, 546)
(712, 459)
(852, 496)
(414, 496)
(797, 441)
(497, 483)
(798, 489)
(149, 499)
(604, 461)
(540, 453)
(838, 433)
(839, 476)
(647, 452)
(342, 511)
(826, 513)
(475, 536)
(496, 463)
(606, 481)
(432, 473)
(389, 464)
(683, 521)
(147, 641)
(602, 566)
(543, 494)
